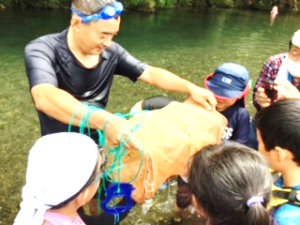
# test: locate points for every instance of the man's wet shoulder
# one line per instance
(50, 40)
(114, 50)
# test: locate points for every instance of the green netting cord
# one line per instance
(118, 152)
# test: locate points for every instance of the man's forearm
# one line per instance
(166, 80)
(61, 106)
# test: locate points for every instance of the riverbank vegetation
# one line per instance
(152, 5)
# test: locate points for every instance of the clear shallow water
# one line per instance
(190, 44)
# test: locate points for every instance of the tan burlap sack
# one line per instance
(168, 137)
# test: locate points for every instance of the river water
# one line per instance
(191, 44)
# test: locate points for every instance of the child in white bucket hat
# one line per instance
(63, 174)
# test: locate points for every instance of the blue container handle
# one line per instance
(116, 191)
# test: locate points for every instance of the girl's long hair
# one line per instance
(224, 177)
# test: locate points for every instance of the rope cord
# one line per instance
(120, 150)
(117, 152)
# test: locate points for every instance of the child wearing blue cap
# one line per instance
(229, 83)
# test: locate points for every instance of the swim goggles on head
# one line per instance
(108, 12)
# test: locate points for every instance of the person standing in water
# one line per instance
(78, 66)
(274, 12)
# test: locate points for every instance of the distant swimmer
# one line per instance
(274, 11)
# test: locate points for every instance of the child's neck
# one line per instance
(66, 211)
(291, 175)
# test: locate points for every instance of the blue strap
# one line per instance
(290, 78)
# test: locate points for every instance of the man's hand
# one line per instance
(204, 97)
(261, 98)
(61, 105)
(286, 90)
(115, 127)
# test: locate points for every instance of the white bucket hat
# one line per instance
(296, 39)
(59, 165)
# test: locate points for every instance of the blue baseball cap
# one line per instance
(229, 81)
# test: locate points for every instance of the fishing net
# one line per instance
(168, 138)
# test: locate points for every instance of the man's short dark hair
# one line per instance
(279, 125)
(89, 7)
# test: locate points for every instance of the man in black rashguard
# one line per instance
(56, 65)
(78, 65)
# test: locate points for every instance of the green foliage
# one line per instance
(149, 5)
(200, 3)
(183, 2)
(164, 3)
(133, 3)
(222, 3)
(240, 3)
(38, 3)
(152, 5)
(141, 5)
(259, 4)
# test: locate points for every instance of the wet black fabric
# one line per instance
(49, 60)
(156, 102)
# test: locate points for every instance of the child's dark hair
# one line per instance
(279, 125)
(224, 177)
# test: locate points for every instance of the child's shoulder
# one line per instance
(286, 214)
(242, 111)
